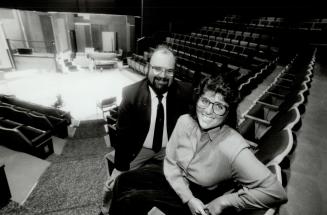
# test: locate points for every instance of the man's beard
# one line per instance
(162, 87)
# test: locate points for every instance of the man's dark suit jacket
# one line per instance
(134, 117)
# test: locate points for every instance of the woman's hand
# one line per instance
(216, 206)
(196, 206)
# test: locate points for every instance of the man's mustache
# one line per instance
(161, 79)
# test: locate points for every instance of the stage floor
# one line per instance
(80, 91)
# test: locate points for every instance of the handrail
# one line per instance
(33, 40)
(40, 46)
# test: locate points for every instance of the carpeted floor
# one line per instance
(90, 128)
(74, 181)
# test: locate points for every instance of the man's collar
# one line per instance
(154, 94)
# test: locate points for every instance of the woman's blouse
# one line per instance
(210, 158)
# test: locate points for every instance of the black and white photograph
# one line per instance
(163, 107)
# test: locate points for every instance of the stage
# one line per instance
(80, 91)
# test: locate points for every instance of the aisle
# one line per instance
(73, 182)
(307, 176)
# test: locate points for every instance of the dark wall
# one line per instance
(121, 7)
(176, 15)
(174, 9)
(186, 15)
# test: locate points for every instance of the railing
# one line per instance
(34, 46)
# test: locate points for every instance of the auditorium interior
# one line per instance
(63, 65)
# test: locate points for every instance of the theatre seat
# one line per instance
(12, 100)
(275, 146)
(25, 117)
(262, 112)
(59, 119)
(26, 139)
(15, 115)
(106, 105)
(253, 129)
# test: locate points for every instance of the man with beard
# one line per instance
(147, 116)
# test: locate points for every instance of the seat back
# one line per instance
(253, 129)
(263, 112)
(274, 146)
(106, 104)
(14, 139)
(32, 134)
(40, 121)
(289, 119)
(15, 115)
(6, 123)
(36, 107)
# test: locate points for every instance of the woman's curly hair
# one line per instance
(219, 83)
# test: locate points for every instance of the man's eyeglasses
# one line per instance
(157, 70)
(218, 108)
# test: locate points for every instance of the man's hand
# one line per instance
(115, 173)
(216, 206)
(196, 206)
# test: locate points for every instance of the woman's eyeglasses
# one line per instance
(218, 108)
(157, 70)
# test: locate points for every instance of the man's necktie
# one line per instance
(158, 130)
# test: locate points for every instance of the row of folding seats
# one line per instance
(137, 63)
(190, 70)
(200, 55)
(251, 82)
(25, 117)
(319, 25)
(223, 53)
(237, 35)
(305, 24)
(273, 144)
(197, 59)
(289, 90)
(199, 43)
(27, 139)
(209, 44)
(245, 41)
(243, 26)
(185, 67)
(42, 115)
(269, 23)
(275, 23)
(276, 138)
(258, 21)
(213, 44)
(231, 18)
(272, 150)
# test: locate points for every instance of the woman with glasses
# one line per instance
(206, 158)
(208, 167)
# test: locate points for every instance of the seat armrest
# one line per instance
(262, 121)
(41, 138)
(274, 107)
(277, 94)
